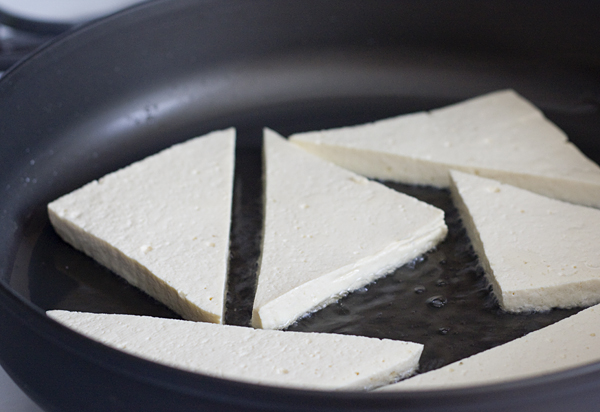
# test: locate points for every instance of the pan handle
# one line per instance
(15, 43)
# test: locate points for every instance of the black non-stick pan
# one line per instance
(117, 90)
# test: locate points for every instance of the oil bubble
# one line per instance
(437, 301)
(419, 289)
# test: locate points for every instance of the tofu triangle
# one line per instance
(161, 223)
(320, 361)
(499, 135)
(539, 253)
(566, 344)
(328, 231)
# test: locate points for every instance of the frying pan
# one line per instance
(119, 89)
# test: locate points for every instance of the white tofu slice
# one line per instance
(539, 253)
(569, 343)
(328, 231)
(293, 359)
(161, 223)
(499, 135)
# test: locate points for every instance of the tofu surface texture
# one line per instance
(499, 135)
(161, 223)
(569, 343)
(328, 231)
(539, 253)
(292, 359)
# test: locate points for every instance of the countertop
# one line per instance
(12, 398)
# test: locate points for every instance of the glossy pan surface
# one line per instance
(120, 89)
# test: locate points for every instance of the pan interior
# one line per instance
(441, 300)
